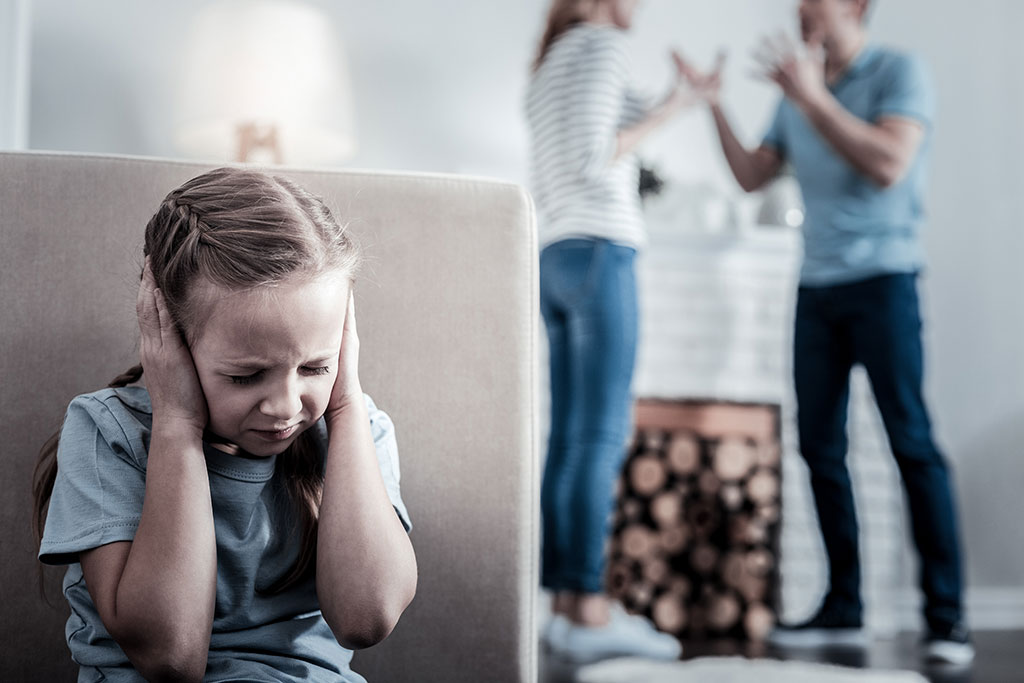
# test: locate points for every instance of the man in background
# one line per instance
(855, 122)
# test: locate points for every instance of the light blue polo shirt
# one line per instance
(854, 229)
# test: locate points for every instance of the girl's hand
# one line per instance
(171, 379)
(347, 388)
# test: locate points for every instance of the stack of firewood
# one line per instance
(696, 526)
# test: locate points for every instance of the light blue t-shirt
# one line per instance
(97, 499)
(853, 228)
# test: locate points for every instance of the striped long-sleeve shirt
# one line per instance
(576, 103)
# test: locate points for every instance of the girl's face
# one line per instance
(267, 359)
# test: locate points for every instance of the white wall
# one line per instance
(975, 321)
(15, 29)
(438, 86)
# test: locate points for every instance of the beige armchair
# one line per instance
(447, 320)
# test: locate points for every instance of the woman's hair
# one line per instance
(237, 229)
(563, 15)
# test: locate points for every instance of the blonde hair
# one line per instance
(237, 229)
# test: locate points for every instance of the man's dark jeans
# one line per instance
(877, 323)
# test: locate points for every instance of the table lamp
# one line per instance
(265, 81)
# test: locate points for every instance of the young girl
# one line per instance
(239, 517)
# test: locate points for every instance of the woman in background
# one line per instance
(586, 120)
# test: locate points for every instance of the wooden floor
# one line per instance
(1000, 658)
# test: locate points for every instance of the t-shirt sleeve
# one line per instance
(595, 103)
(384, 441)
(97, 495)
(906, 91)
(775, 136)
(636, 106)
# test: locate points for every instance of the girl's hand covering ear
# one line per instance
(170, 373)
(346, 385)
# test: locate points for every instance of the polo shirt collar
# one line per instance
(861, 61)
(856, 67)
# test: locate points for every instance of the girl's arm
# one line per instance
(156, 594)
(365, 566)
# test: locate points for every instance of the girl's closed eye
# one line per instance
(246, 379)
(305, 369)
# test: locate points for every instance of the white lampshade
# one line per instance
(269, 63)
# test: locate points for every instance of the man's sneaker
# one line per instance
(827, 627)
(950, 644)
(625, 635)
(552, 636)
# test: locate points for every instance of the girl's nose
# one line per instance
(284, 401)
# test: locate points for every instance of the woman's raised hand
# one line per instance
(347, 387)
(174, 390)
(704, 86)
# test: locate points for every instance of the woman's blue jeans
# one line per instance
(589, 303)
(874, 322)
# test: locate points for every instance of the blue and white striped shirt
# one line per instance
(576, 103)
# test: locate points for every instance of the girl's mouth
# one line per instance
(276, 435)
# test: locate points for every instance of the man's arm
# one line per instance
(882, 151)
(751, 168)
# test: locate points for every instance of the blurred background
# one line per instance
(438, 86)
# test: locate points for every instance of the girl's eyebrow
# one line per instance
(259, 363)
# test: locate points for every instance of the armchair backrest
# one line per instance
(447, 323)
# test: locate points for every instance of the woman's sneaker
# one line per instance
(829, 627)
(625, 635)
(552, 636)
(949, 644)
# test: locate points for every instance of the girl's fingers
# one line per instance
(145, 306)
(350, 313)
(155, 320)
(163, 318)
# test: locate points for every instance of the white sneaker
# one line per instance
(624, 635)
(552, 636)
